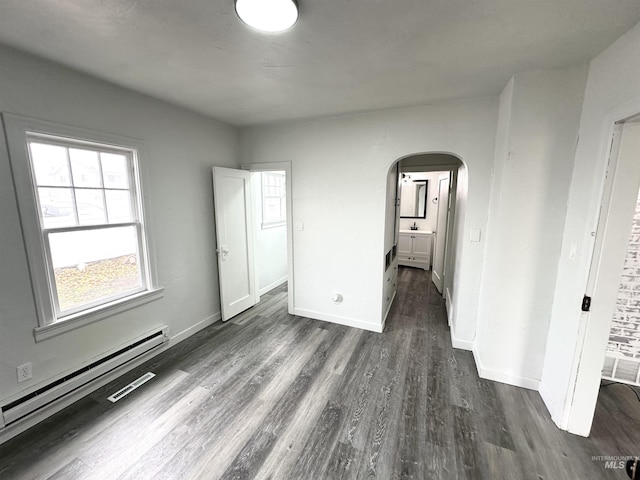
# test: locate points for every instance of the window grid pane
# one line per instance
(88, 174)
(90, 206)
(56, 207)
(50, 165)
(85, 168)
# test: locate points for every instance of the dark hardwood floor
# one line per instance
(273, 396)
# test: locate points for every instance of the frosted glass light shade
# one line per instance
(268, 15)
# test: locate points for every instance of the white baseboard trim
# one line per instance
(349, 322)
(554, 410)
(195, 328)
(45, 412)
(461, 344)
(272, 285)
(547, 398)
(448, 306)
(504, 377)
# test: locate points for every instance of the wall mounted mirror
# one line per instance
(413, 199)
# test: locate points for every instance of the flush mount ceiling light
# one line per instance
(270, 16)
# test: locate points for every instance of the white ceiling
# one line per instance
(342, 56)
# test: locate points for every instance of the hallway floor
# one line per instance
(271, 395)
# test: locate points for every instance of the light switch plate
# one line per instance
(474, 235)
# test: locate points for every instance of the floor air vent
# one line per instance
(131, 387)
(53, 391)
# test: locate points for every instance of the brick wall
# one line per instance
(625, 327)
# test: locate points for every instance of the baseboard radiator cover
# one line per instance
(56, 390)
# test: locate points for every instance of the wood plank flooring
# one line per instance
(273, 396)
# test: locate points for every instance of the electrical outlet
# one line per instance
(24, 372)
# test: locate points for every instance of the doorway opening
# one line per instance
(252, 211)
(422, 230)
(423, 216)
(272, 228)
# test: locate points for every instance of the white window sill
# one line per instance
(86, 317)
(273, 224)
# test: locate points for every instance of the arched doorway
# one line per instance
(425, 237)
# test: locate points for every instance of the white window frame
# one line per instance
(280, 221)
(20, 131)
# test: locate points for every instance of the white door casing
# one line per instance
(437, 270)
(234, 240)
(614, 227)
(286, 167)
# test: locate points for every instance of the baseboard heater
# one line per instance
(57, 389)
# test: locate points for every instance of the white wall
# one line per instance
(340, 168)
(270, 245)
(181, 147)
(429, 223)
(612, 93)
(538, 131)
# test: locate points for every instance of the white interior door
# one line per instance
(607, 266)
(234, 240)
(437, 272)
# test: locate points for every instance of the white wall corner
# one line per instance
(272, 285)
(502, 376)
(551, 405)
(349, 322)
(461, 344)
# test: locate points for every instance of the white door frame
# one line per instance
(582, 393)
(280, 166)
(441, 239)
(451, 234)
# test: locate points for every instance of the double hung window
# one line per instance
(90, 249)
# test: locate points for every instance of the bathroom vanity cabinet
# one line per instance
(414, 248)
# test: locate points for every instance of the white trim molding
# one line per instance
(550, 403)
(459, 343)
(286, 166)
(349, 322)
(504, 377)
(89, 316)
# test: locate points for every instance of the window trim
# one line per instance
(18, 129)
